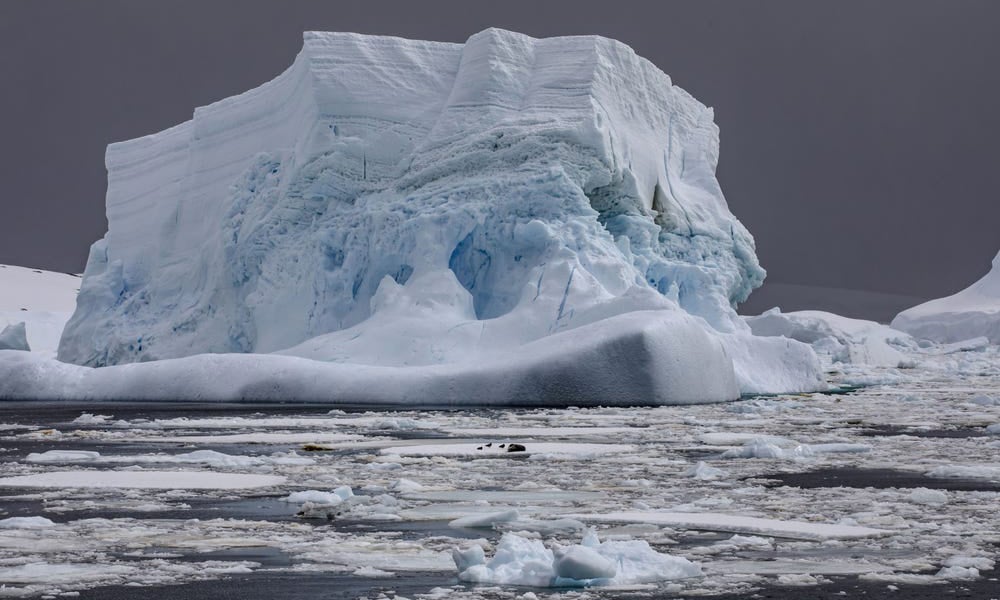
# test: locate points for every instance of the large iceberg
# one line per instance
(534, 214)
(972, 312)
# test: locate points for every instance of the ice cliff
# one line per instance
(972, 312)
(396, 203)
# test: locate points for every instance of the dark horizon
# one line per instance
(858, 139)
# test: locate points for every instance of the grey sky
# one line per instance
(859, 139)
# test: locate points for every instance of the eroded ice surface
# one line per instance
(421, 221)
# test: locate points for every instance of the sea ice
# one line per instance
(160, 480)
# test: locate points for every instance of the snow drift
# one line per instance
(514, 211)
(973, 312)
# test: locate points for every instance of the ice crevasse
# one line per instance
(420, 218)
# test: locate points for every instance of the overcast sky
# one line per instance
(859, 139)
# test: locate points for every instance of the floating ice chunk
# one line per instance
(993, 429)
(985, 401)
(704, 471)
(488, 520)
(799, 579)
(405, 485)
(982, 563)
(91, 419)
(928, 496)
(161, 480)
(958, 573)
(372, 572)
(581, 563)
(521, 561)
(761, 448)
(493, 449)
(25, 523)
(203, 457)
(337, 496)
(736, 524)
(313, 496)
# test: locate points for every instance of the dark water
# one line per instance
(852, 477)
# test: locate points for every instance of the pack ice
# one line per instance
(972, 312)
(509, 220)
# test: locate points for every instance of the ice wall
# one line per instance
(529, 186)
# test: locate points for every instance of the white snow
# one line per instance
(159, 480)
(528, 562)
(972, 312)
(506, 221)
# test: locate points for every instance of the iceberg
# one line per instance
(14, 337)
(506, 221)
(971, 313)
(836, 338)
(42, 300)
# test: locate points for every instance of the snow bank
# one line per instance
(841, 339)
(973, 312)
(444, 210)
(528, 562)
